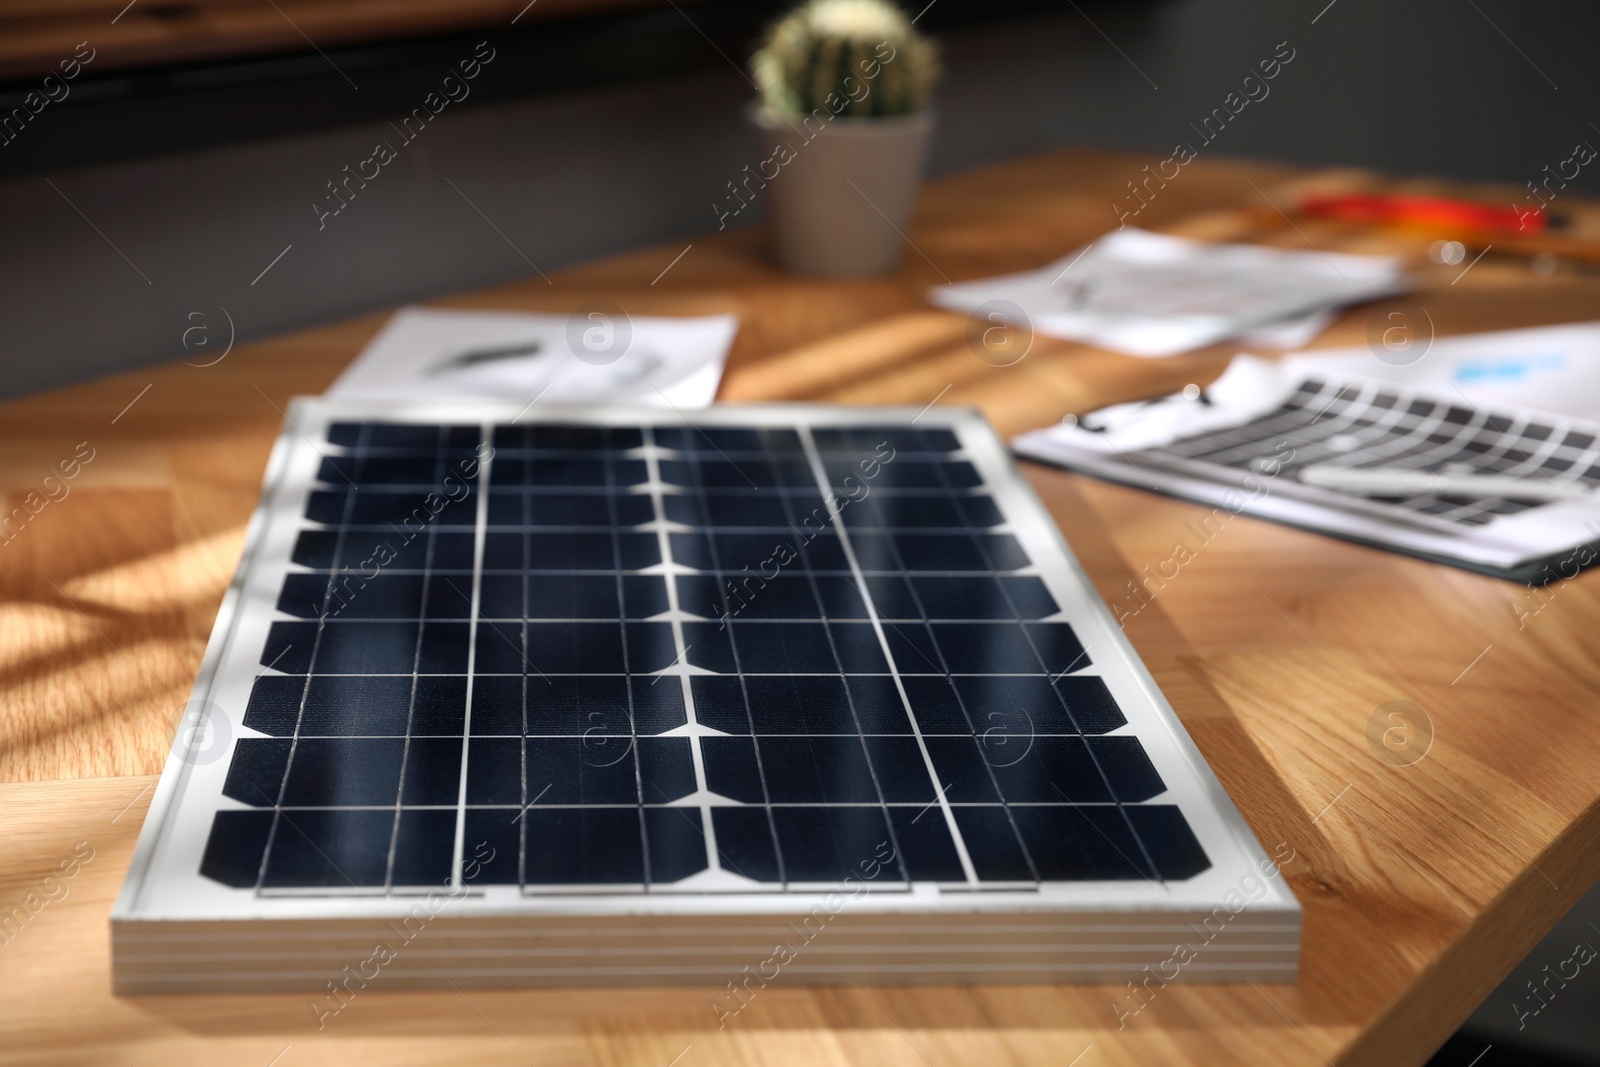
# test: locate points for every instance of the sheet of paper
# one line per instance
(1240, 446)
(1547, 368)
(597, 354)
(1149, 294)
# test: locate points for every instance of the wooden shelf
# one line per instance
(35, 35)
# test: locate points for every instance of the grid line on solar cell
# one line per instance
(700, 821)
(991, 769)
(963, 853)
(817, 609)
(866, 607)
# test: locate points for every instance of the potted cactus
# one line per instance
(845, 121)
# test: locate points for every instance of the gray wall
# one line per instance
(1428, 87)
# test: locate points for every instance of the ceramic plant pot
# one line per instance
(839, 191)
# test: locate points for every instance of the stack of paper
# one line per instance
(1274, 439)
(1547, 368)
(1148, 294)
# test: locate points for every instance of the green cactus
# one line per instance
(856, 58)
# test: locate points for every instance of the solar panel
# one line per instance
(559, 666)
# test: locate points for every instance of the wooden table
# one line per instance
(1422, 884)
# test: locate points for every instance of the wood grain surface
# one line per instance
(1422, 884)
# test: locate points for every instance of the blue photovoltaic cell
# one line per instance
(862, 664)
